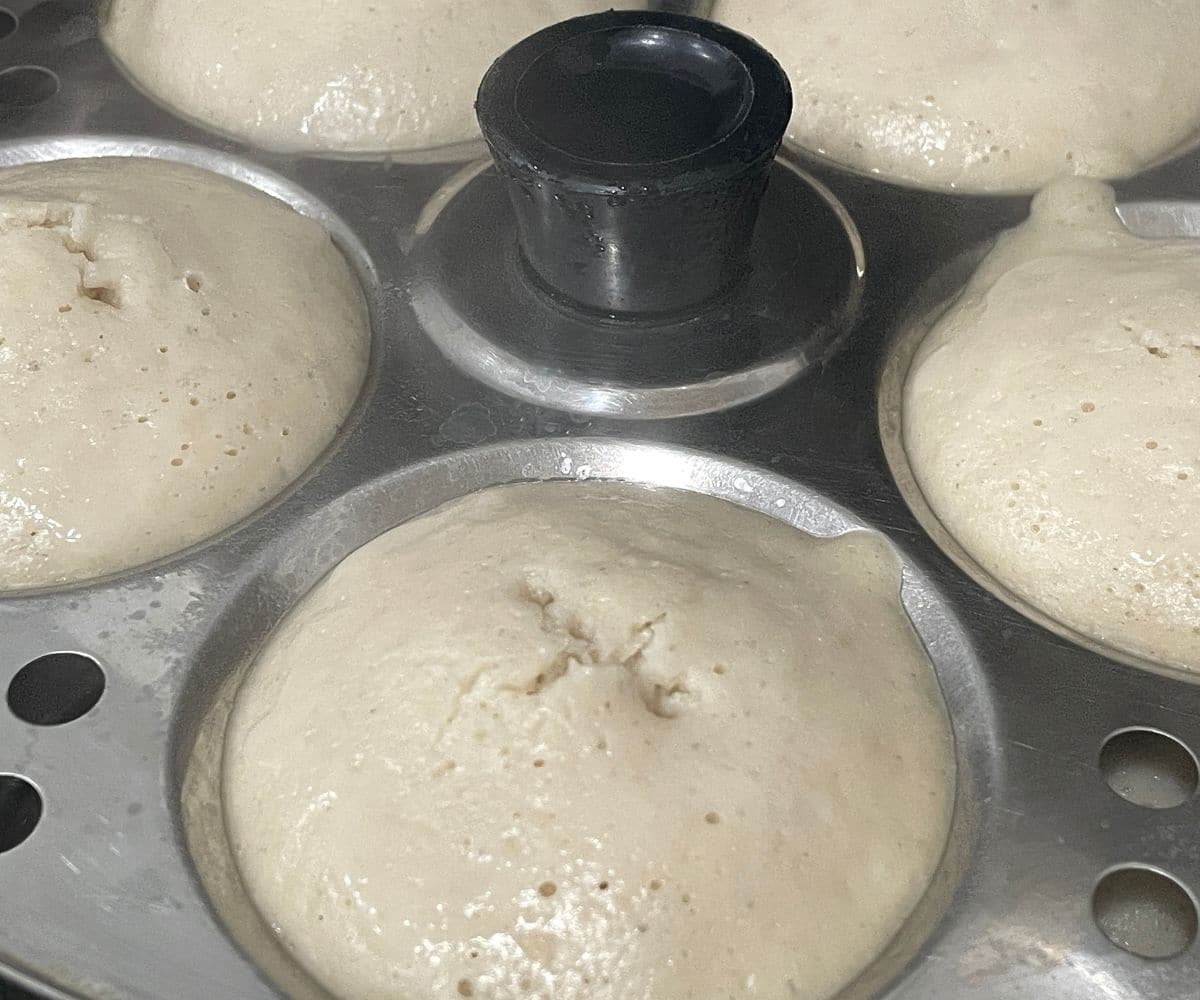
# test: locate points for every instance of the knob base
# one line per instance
(475, 299)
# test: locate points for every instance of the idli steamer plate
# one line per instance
(105, 899)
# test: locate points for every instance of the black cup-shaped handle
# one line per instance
(635, 146)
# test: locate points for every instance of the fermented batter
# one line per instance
(589, 742)
(1050, 418)
(338, 75)
(175, 348)
(989, 95)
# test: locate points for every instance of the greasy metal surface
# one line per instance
(102, 901)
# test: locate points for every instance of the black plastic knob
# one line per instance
(635, 147)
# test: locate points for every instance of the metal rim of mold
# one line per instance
(459, 151)
(306, 550)
(917, 319)
(52, 148)
(451, 152)
(820, 161)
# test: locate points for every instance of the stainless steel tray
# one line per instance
(103, 899)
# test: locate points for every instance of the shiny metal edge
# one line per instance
(1161, 219)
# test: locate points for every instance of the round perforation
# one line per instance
(55, 689)
(25, 86)
(20, 810)
(1145, 912)
(1149, 768)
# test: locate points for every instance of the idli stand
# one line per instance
(752, 377)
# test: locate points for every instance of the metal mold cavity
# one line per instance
(281, 189)
(917, 318)
(308, 549)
